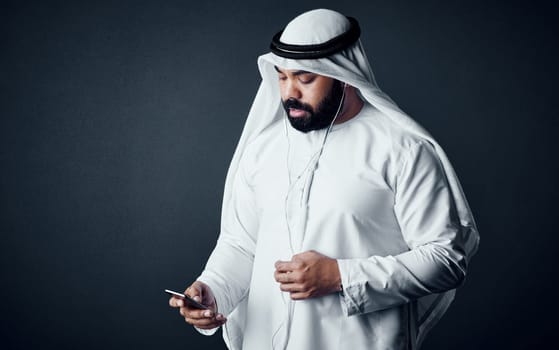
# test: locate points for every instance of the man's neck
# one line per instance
(352, 106)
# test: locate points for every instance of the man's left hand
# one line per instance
(308, 275)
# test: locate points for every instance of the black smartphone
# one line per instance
(187, 299)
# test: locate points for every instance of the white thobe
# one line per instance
(379, 203)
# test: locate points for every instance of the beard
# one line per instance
(324, 114)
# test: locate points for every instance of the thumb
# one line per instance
(195, 292)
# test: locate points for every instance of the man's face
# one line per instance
(310, 100)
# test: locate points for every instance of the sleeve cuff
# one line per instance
(353, 295)
(207, 332)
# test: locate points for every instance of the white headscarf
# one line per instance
(352, 67)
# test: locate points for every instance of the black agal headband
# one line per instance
(325, 49)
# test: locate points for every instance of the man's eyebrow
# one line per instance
(301, 72)
(295, 73)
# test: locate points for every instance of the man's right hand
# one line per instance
(200, 318)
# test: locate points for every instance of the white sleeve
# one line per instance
(430, 226)
(229, 268)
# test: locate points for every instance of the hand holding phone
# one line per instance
(188, 300)
(202, 314)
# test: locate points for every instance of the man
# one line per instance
(343, 225)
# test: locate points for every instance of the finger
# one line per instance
(283, 277)
(175, 302)
(195, 292)
(292, 287)
(291, 277)
(207, 323)
(197, 314)
(201, 322)
(190, 312)
(292, 265)
(279, 264)
(286, 266)
(299, 296)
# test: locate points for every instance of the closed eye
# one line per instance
(307, 78)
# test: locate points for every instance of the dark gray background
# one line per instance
(118, 122)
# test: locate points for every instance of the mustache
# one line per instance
(296, 104)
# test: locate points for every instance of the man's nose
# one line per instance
(292, 91)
